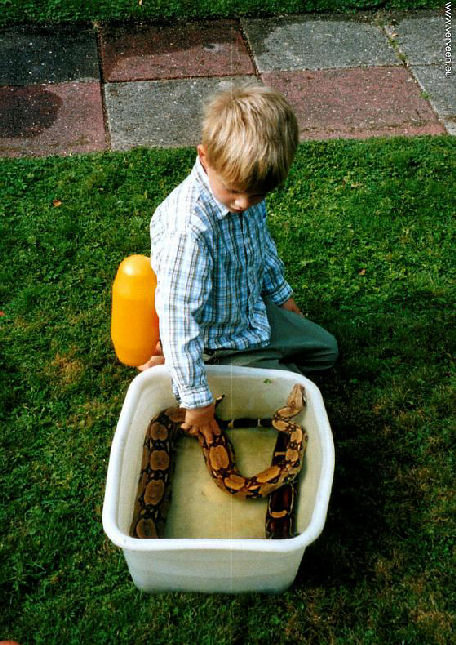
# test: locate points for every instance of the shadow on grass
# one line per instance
(384, 402)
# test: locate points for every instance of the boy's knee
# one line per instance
(327, 353)
(332, 351)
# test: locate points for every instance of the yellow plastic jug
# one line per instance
(134, 321)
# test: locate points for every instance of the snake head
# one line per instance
(295, 402)
(297, 397)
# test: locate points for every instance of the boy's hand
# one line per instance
(152, 362)
(156, 359)
(290, 305)
(201, 421)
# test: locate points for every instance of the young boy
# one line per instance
(221, 295)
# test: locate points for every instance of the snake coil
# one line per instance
(278, 481)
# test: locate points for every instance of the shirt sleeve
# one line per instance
(184, 287)
(274, 284)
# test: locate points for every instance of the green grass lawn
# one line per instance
(69, 10)
(367, 233)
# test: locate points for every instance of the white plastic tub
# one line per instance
(214, 542)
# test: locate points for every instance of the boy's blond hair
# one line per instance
(250, 136)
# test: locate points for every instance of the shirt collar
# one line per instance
(220, 210)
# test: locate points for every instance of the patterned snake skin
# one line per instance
(278, 481)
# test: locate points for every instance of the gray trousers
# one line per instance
(297, 344)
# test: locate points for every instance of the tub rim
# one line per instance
(111, 496)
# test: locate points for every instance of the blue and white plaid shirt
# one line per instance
(213, 268)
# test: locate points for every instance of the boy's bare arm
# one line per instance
(290, 305)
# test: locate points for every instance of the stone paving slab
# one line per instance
(316, 43)
(420, 38)
(158, 113)
(450, 125)
(51, 98)
(59, 119)
(152, 52)
(356, 103)
(31, 55)
(441, 92)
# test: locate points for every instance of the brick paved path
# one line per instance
(71, 89)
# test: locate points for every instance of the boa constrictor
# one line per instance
(277, 481)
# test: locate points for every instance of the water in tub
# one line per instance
(199, 509)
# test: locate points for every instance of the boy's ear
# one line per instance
(202, 155)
